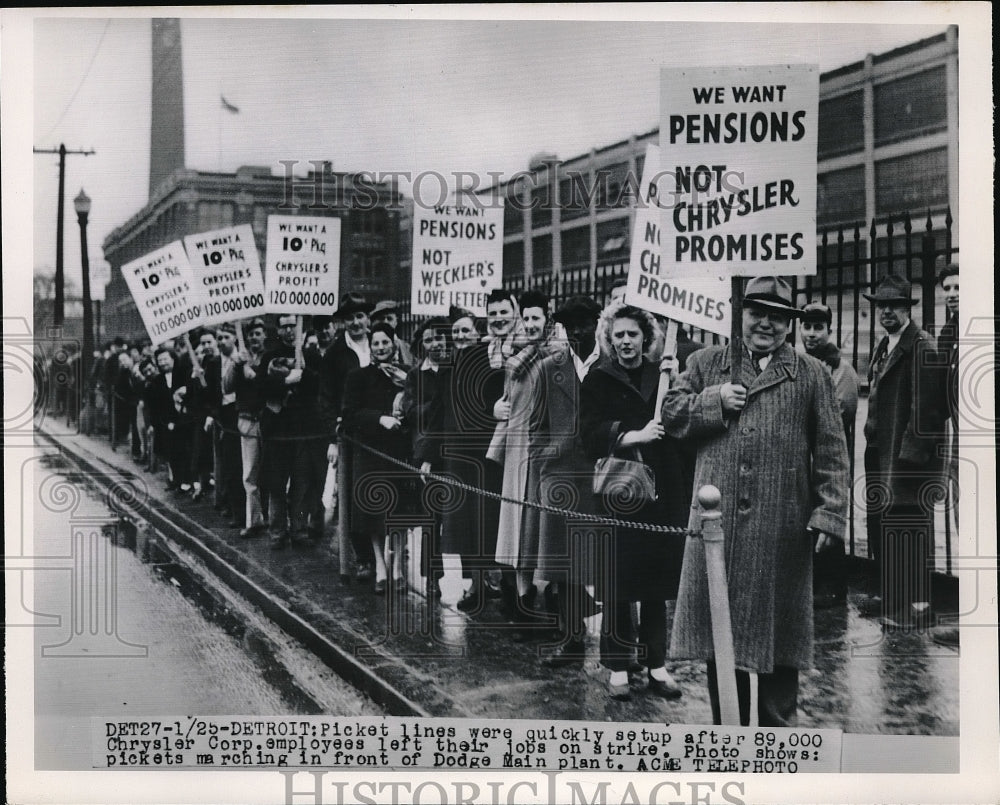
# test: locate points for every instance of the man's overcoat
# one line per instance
(781, 466)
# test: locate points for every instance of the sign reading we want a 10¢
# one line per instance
(303, 264)
(163, 287)
(227, 274)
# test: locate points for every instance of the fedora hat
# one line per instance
(385, 306)
(352, 303)
(576, 309)
(892, 288)
(770, 293)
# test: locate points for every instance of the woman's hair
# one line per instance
(534, 299)
(438, 324)
(652, 341)
(382, 327)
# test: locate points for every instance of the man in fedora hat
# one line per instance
(773, 443)
(902, 465)
(388, 311)
(349, 350)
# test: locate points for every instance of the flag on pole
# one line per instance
(228, 106)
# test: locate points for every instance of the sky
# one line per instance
(379, 94)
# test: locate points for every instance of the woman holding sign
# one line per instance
(372, 416)
(618, 418)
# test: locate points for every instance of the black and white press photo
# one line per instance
(531, 404)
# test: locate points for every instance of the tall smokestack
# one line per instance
(167, 119)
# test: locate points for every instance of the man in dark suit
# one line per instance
(348, 350)
(171, 422)
(902, 465)
(566, 555)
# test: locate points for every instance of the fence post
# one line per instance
(927, 278)
(709, 498)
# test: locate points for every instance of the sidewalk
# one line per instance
(416, 659)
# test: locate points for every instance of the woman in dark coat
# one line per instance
(617, 414)
(423, 421)
(372, 415)
(469, 521)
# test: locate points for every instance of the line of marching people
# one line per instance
(526, 405)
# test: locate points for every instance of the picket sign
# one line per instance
(737, 191)
(651, 284)
(302, 269)
(457, 256)
(163, 287)
(229, 284)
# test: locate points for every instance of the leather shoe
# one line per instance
(570, 653)
(665, 690)
(470, 602)
(251, 532)
(620, 693)
(364, 573)
(279, 542)
(380, 587)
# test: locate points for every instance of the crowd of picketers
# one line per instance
(519, 405)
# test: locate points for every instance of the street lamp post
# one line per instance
(82, 205)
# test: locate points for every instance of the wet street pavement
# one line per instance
(435, 660)
(164, 657)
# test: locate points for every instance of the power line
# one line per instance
(82, 80)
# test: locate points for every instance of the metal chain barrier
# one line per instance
(568, 513)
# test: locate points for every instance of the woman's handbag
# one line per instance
(625, 480)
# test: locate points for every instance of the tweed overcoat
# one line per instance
(781, 466)
(905, 424)
(566, 474)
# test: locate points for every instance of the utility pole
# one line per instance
(59, 310)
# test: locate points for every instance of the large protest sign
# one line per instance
(651, 285)
(457, 257)
(302, 267)
(227, 274)
(738, 179)
(163, 287)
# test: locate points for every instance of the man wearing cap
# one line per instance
(773, 443)
(817, 320)
(349, 350)
(388, 311)
(902, 465)
(566, 555)
(244, 378)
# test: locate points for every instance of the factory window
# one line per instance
(841, 124)
(911, 106)
(912, 182)
(574, 195)
(576, 247)
(541, 204)
(840, 196)
(513, 214)
(613, 186)
(541, 254)
(513, 259)
(612, 240)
